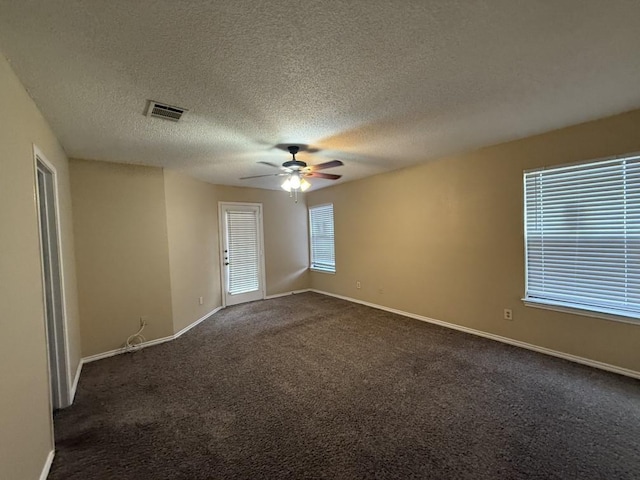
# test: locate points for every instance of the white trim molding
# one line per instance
(74, 385)
(197, 322)
(285, 294)
(118, 351)
(62, 378)
(47, 465)
(547, 351)
(577, 310)
(150, 343)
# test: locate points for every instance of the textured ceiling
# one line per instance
(379, 84)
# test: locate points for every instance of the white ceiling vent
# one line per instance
(162, 110)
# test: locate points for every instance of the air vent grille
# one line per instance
(161, 110)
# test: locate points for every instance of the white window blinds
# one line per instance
(582, 235)
(322, 239)
(244, 255)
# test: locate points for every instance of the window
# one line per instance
(582, 236)
(323, 256)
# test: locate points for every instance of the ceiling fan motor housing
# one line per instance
(293, 149)
(294, 164)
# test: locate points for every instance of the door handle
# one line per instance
(226, 263)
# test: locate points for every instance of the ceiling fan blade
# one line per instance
(270, 175)
(328, 176)
(322, 166)
(270, 164)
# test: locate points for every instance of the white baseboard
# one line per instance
(47, 465)
(547, 351)
(74, 385)
(292, 292)
(118, 351)
(150, 343)
(197, 322)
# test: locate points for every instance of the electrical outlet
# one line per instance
(144, 320)
(508, 314)
(358, 284)
(380, 291)
(201, 300)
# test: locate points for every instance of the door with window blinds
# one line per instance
(242, 253)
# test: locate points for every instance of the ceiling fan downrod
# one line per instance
(293, 149)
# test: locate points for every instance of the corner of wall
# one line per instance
(122, 253)
(192, 232)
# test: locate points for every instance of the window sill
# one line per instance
(319, 270)
(563, 307)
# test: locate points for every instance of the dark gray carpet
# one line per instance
(308, 386)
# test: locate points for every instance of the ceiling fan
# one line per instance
(297, 172)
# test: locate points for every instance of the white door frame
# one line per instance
(59, 374)
(222, 242)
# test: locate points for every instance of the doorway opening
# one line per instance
(242, 252)
(48, 221)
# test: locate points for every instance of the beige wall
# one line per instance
(285, 235)
(192, 225)
(147, 245)
(122, 253)
(25, 416)
(445, 240)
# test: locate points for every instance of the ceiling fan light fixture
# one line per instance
(295, 183)
(286, 185)
(294, 178)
